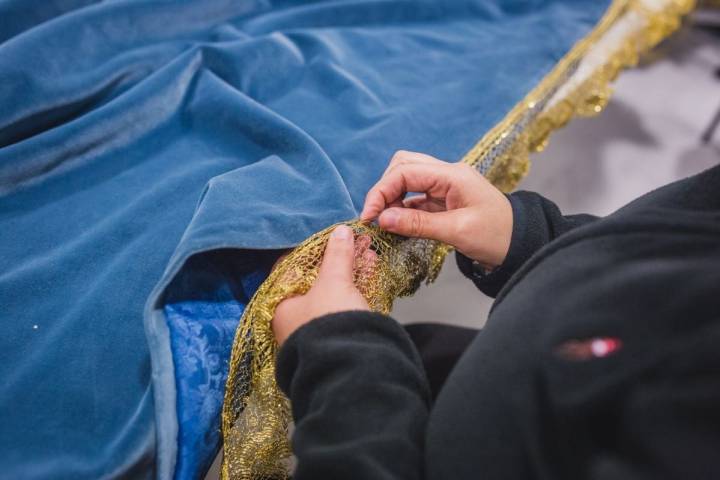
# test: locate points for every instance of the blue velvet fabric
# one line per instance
(156, 155)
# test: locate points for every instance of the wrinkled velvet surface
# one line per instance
(135, 135)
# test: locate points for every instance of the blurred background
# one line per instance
(650, 134)
(657, 128)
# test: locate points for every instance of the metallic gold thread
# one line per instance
(256, 415)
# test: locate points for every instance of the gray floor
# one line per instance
(648, 135)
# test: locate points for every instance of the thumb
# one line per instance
(339, 257)
(411, 222)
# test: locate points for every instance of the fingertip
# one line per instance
(362, 242)
(374, 203)
(337, 259)
(389, 219)
(370, 256)
(369, 211)
(342, 233)
(367, 264)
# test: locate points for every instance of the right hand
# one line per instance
(457, 206)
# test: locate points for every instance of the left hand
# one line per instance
(334, 289)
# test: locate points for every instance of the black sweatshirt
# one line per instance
(600, 359)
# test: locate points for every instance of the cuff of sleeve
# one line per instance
(522, 247)
(347, 324)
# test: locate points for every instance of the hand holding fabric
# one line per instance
(457, 206)
(334, 289)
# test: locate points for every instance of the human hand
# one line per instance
(334, 289)
(457, 206)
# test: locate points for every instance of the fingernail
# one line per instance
(342, 232)
(390, 218)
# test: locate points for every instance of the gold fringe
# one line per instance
(255, 415)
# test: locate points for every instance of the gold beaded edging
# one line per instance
(588, 99)
(256, 415)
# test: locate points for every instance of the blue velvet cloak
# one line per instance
(154, 155)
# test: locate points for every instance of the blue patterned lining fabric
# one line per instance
(202, 328)
(155, 158)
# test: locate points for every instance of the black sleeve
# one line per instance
(359, 396)
(536, 222)
(440, 347)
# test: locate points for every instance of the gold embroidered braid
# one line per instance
(256, 415)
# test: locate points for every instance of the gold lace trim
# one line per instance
(588, 99)
(256, 415)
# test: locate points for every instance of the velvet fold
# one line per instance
(156, 157)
